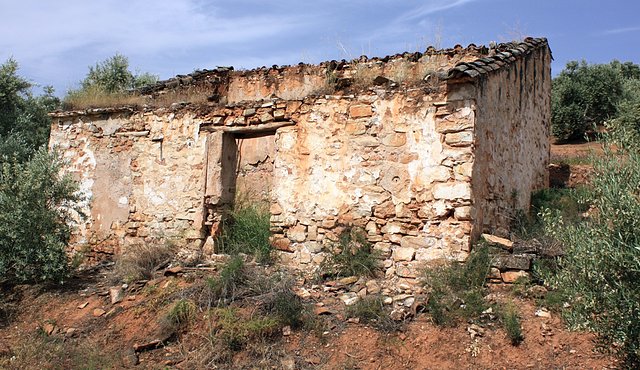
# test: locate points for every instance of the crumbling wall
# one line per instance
(512, 140)
(397, 165)
(143, 174)
(421, 151)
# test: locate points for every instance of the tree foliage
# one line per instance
(21, 113)
(585, 95)
(36, 203)
(35, 200)
(600, 270)
(113, 76)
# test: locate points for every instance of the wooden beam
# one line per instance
(271, 126)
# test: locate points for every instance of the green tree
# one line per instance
(21, 113)
(113, 76)
(36, 208)
(600, 270)
(36, 202)
(585, 95)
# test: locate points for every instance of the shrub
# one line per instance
(285, 306)
(352, 256)
(511, 323)
(107, 84)
(179, 315)
(234, 331)
(227, 286)
(583, 96)
(457, 290)
(140, 261)
(599, 270)
(37, 205)
(247, 231)
(371, 310)
(571, 202)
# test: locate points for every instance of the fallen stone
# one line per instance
(349, 299)
(173, 271)
(116, 294)
(543, 312)
(286, 331)
(498, 241)
(348, 280)
(512, 276)
(372, 287)
(83, 305)
(99, 312)
(48, 328)
(322, 311)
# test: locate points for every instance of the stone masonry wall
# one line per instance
(512, 145)
(396, 165)
(423, 160)
(142, 172)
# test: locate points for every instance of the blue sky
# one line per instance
(55, 41)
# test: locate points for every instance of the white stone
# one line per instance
(403, 254)
(452, 191)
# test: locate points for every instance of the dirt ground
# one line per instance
(77, 327)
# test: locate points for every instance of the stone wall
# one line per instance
(421, 151)
(396, 165)
(511, 145)
(142, 172)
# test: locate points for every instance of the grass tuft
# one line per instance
(353, 256)
(247, 231)
(457, 290)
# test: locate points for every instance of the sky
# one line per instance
(54, 42)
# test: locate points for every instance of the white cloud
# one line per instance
(617, 31)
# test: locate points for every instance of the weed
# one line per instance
(457, 290)
(140, 261)
(233, 331)
(52, 352)
(228, 284)
(247, 231)
(97, 97)
(520, 286)
(571, 203)
(179, 315)
(353, 256)
(511, 323)
(285, 306)
(363, 76)
(371, 310)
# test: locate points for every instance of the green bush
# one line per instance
(583, 96)
(352, 256)
(230, 283)
(456, 291)
(601, 266)
(179, 315)
(371, 310)
(36, 208)
(247, 231)
(511, 323)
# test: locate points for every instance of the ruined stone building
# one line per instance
(424, 151)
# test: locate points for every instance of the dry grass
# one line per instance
(140, 261)
(97, 98)
(363, 75)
